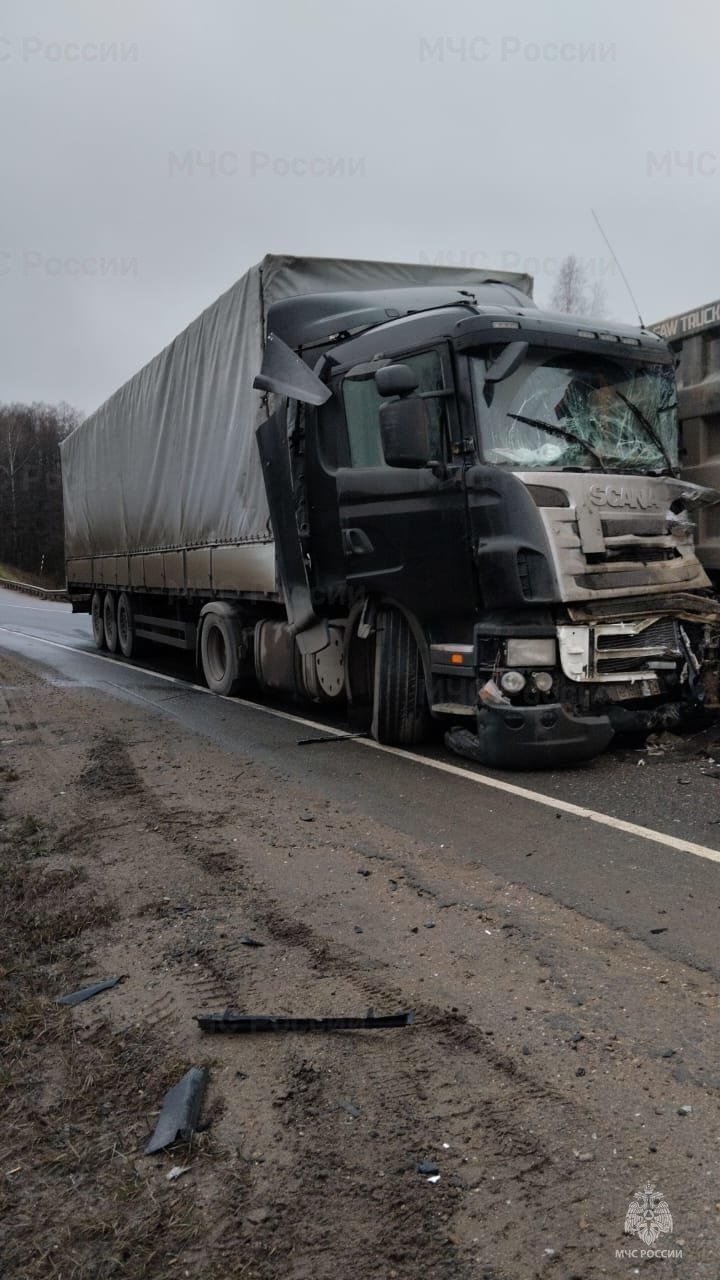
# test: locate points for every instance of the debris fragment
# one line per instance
(180, 1110)
(435, 1177)
(685, 1111)
(427, 1166)
(85, 993)
(248, 941)
(330, 737)
(351, 1107)
(177, 1171)
(490, 693)
(246, 1022)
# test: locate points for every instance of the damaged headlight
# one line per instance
(531, 653)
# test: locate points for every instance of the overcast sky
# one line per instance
(152, 151)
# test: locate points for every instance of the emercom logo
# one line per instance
(648, 1217)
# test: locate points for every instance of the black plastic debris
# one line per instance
(247, 1023)
(248, 941)
(334, 737)
(180, 1111)
(427, 1167)
(86, 993)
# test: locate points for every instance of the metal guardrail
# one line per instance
(44, 592)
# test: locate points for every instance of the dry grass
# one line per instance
(78, 1200)
(48, 581)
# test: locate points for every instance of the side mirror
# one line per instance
(510, 359)
(404, 431)
(396, 380)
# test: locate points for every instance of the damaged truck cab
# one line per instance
(484, 501)
(407, 487)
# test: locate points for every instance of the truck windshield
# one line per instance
(578, 412)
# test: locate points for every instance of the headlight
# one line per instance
(512, 681)
(530, 653)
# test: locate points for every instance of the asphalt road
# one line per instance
(654, 877)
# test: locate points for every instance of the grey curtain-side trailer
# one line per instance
(408, 487)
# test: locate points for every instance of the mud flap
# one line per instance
(543, 737)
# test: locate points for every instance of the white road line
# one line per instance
(479, 779)
(36, 608)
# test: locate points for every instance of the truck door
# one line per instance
(404, 530)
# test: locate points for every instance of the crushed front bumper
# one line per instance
(542, 737)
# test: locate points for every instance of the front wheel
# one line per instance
(400, 707)
(219, 643)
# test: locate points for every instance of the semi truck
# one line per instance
(408, 489)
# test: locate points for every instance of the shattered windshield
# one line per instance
(578, 412)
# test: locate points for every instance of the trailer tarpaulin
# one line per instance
(170, 460)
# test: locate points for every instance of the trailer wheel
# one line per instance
(400, 709)
(96, 614)
(126, 626)
(110, 622)
(219, 653)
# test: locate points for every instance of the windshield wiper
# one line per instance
(647, 425)
(559, 431)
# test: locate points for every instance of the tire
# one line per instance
(127, 639)
(96, 615)
(359, 676)
(401, 715)
(219, 653)
(110, 622)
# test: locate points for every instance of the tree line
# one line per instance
(31, 510)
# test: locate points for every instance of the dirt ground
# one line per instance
(544, 1074)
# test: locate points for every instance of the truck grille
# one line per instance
(659, 642)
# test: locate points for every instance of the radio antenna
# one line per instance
(616, 260)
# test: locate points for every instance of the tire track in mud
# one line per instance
(195, 974)
(481, 1103)
(485, 1106)
(320, 1190)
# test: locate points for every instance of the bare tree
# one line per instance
(573, 291)
(31, 518)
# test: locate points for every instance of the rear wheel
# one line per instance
(110, 622)
(219, 653)
(400, 708)
(126, 626)
(96, 614)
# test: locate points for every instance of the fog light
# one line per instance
(542, 681)
(512, 681)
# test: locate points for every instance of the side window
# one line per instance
(362, 403)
